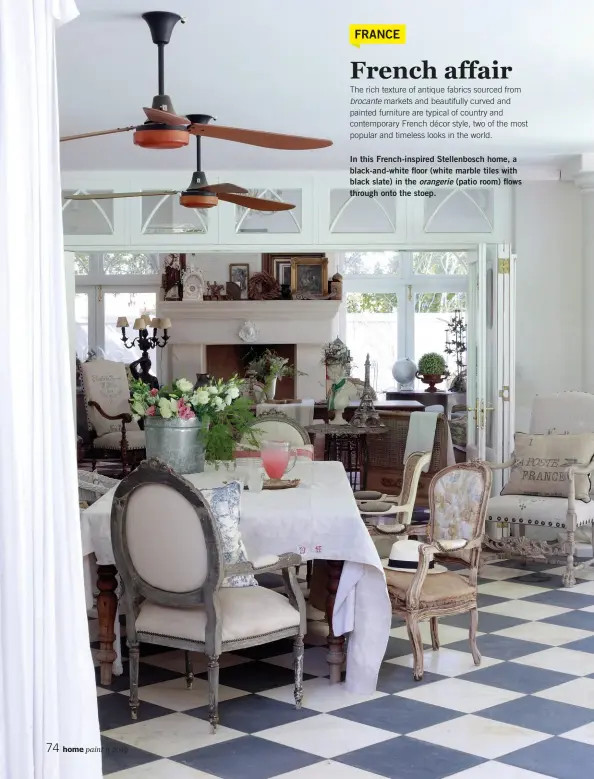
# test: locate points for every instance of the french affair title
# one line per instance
(468, 69)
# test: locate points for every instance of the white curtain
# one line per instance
(47, 686)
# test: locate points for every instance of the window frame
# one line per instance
(96, 283)
(406, 285)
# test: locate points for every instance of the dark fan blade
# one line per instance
(224, 189)
(111, 195)
(97, 132)
(258, 137)
(164, 117)
(257, 203)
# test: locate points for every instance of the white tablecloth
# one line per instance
(317, 521)
(302, 412)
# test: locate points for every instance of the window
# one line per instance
(372, 326)
(110, 285)
(400, 304)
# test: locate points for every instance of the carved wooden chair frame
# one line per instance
(277, 416)
(107, 454)
(465, 551)
(136, 589)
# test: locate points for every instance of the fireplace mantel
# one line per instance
(250, 310)
(306, 324)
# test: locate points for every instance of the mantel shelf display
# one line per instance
(250, 310)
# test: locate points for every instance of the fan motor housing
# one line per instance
(203, 199)
(161, 136)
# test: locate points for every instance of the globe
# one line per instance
(404, 372)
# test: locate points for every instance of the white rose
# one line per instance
(218, 403)
(228, 399)
(165, 408)
(213, 390)
(200, 398)
(184, 385)
(232, 393)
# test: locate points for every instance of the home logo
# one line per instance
(363, 34)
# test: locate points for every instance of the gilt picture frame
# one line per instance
(309, 276)
(279, 265)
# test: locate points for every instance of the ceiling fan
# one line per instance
(200, 194)
(164, 129)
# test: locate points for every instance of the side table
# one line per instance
(347, 444)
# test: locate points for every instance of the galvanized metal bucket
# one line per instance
(177, 442)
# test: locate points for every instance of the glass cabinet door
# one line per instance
(160, 221)
(98, 222)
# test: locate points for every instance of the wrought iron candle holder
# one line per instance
(140, 369)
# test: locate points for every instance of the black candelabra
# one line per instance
(140, 369)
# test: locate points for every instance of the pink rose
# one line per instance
(154, 392)
(150, 412)
(186, 412)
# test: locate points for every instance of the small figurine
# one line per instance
(215, 290)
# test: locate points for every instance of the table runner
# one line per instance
(318, 521)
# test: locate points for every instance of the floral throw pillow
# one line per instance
(225, 503)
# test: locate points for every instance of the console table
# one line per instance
(404, 404)
(443, 398)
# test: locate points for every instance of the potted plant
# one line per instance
(337, 359)
(185, 427)
(269, 368)
(432, 370)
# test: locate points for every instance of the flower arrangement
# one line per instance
(271, 365)
(226, 414)
(336, 353)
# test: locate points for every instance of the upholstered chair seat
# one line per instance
(537, 511)
(458, 497)
(246, 613)
(446, 590)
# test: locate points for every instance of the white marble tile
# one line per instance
(327, 770)
(544, 633)
(320, 695)
(500, 573)
(315, 661)
(494, 770)
(521, 609)
(174, 695)
(460, 695)
(510, 590)
(172, 734)
(577, 692)
(585, 734)
(325, 735)
(569, 661)
(161, 769)
(446, 662)
(480, 736)
(448, 634)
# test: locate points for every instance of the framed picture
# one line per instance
(282, 272)
(309, 276)
(279, 265)
(239, 273)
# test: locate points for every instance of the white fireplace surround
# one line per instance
(309, 324)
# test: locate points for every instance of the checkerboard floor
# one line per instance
(526, 713)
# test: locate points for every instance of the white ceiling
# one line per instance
(285, 66)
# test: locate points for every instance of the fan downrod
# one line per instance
(161, 136)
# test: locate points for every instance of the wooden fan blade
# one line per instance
(164, 117)
(112, 195)
(224, 188)
(257, 203)
(97, 132)
(258, 137)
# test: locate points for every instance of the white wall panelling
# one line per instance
(325, 215)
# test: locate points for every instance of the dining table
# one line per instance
(318, 519)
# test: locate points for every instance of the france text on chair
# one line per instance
(458, 497)
(167, 548)
(549, 484)
(110, 421)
